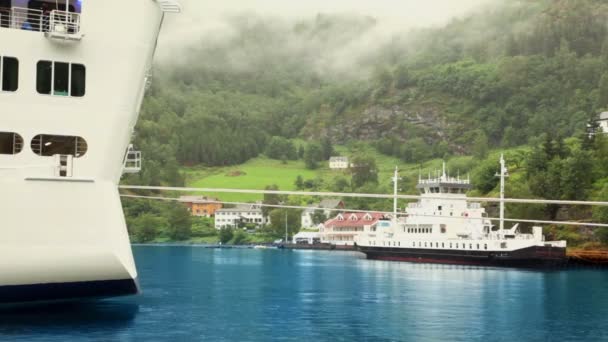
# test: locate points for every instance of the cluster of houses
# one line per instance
(242, 214)
(339, 229)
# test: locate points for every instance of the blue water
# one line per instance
(197, 294)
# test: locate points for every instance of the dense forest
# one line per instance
(527, 74)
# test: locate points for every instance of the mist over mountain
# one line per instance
(208, 21)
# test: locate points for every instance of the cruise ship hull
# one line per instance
(40, 293)
(531, 257)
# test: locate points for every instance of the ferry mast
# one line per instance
(395, 193)
(503, 173)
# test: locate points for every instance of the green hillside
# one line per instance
(266, 104)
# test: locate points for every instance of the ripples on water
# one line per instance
(200, 294)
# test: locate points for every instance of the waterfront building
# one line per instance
(307, 238)
(602, 121)
(201, 206)
(342, 229)
(338, 163)
(239, 216)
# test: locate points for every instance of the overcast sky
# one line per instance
(414, 12)
(200, 16)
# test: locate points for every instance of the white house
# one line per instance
(343, 229)
(307, 238)
(241, 214)
(327, 205)
(338, 163)
(603, 122)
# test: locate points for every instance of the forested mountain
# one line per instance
(501, 75)
(517, 73)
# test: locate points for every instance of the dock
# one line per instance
(588, 257)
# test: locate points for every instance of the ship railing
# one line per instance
(5, 17)
(63, 23)
(132, 161)
(442, 180)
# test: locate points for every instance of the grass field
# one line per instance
(255, 174)
(261, 172)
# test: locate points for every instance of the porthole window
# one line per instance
(10, 143)
(9, 73)
(49, 145)
(60, 79)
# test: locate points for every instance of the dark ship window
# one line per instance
(9, 73)
(10, 143)
(50, 145)
(60, 79)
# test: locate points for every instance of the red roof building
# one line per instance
(342, 229)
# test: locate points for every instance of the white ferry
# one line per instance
(444, 227)
(72, 78)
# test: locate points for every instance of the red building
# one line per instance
(342, 229)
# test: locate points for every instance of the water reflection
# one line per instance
(102, 317)
(195, 294)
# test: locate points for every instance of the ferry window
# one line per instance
(450, 245)
(10, 143)
(477, 246)
(442, 245)
(439, 208)
(50, 145)
(470, 246)
(60, 79)
(9, 73)
(78, 80)
(485, 246)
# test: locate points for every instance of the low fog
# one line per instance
(218, 25)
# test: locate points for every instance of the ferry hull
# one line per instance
(532, 257)
(41, 293)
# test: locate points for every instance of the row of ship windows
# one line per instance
(52, 78)
(423, 230)
(431, 245)
(44, 145)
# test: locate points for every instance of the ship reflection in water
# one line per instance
(198, 294)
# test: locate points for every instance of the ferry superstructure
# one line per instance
(444, 227)
(73, 75)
